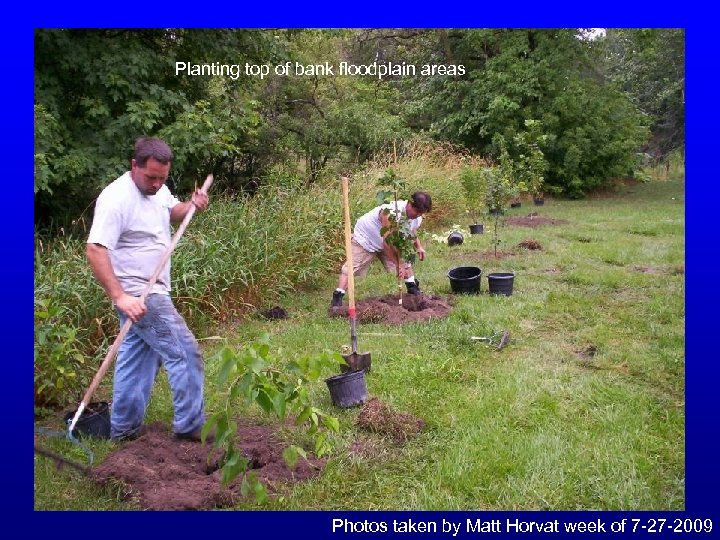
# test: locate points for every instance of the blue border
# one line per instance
(703, 474)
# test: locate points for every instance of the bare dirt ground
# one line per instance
(387, 309)
(163, 473)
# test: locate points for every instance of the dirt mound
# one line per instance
(379, 417)
(164, 473)
(533, 220)
(530, 244)
(386, 309)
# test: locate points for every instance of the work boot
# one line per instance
(337, 299)
(413, 288)
(195, 436)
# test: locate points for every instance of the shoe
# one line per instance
(413, 288)
(194, 436)
(132, 435)
(337, 299)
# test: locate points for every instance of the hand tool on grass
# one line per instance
(499, 339)
(355, 360)
(110, 356)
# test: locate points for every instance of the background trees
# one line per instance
(97, 90)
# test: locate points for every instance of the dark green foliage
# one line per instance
(96, 91)
(593, 131)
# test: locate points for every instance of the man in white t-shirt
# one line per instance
(128, 238)
(368, 244)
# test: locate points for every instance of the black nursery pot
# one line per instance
(94, 420)
(348, 389)
(539, 202)
(465, 279)
(455, 239)
(515, 205)
(501, 283)
(476, 229)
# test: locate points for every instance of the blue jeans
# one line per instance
(161, 337)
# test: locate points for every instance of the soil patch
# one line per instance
(534, 220)
(647, 270)
(163, 473)
(587, 353)
(275, 313)
(530, 244)
(379, 417)
(386, 309)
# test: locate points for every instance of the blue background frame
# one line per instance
(702, 450)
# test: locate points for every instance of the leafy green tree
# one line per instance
(649, 65)
(514, 75)
(96, 91)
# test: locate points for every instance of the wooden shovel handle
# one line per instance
(110, 356)
(348, 248)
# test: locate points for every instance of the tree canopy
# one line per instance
(96, 91)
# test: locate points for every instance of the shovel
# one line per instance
(110, 356)
(354, 360)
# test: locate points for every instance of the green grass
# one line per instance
(533, 426)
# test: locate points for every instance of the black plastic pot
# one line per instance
(348, 389)
(455, 239)
(465, 279)
(515, 205)
(476, 229)
(501, 283)
(94, 420)
(539, 202)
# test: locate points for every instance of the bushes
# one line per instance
(242, 253)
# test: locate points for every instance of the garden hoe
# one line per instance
(355, 360)
(110, 356)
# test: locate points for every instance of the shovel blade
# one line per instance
(356, 361)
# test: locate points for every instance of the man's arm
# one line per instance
(180, 210)
(101, 266)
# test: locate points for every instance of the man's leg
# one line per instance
(167, 333)
(135, 370)
(361, 264)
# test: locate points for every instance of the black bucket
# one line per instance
(465, 279)
(476, 229)
(348, 389)
(501, 283)
(94, 420)
(455, 239)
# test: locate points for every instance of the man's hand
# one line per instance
(421, 253)
(200, 200)
(131, 306)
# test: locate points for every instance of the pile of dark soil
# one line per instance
(387, 309)
(533, 220)
(378, 417)
(530, 244)
(163, 473)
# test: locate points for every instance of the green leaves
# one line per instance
(253, 375)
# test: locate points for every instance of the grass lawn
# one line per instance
(584, 409)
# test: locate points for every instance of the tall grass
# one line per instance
(240, 255)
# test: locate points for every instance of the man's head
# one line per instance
(151, 164)
(420, 203)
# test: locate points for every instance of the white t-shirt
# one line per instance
(135, 228)
(367, 228)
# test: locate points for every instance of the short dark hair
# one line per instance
(421, 201)
(152, 147)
